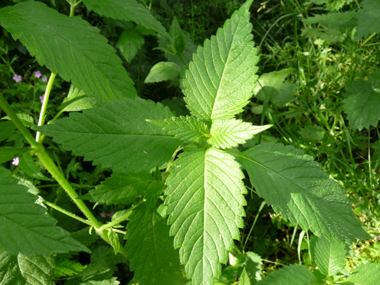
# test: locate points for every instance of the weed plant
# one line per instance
(116, 175)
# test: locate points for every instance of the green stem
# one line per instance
(48, 163)
(253, 225)
(54, 206)
(44, 104)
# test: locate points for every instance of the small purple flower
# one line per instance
(103, 214)
(15, 161)
(110, 214)
(17, 78)
(37, 74)
(378, 238)
(42, 98)
(44, 78)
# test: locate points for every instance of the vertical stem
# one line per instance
(44, 104)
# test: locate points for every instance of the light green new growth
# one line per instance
(230, 133)
(188, 129)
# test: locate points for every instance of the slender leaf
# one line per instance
(150, 249)
(205, 205)
(220, 79)
(24, 225)
(70, 47)
(77, 100)
(297, 187)
(117, 135)
(22, 269)
(230, 133)
(30, 168)
(177, 35)
(126, 10)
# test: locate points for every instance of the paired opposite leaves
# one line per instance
(117, 135)
(205, 205)
(70, 47)
(297, 187)
(24, 226)
(219, 81)
(150, 249)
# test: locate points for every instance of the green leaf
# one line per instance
(114, 240)
(67, 268)
(368, 18)
(102, 267)
(70, 47)
(129, 43)
(330, 256)
(30, 168)
(311, 133)
(297, 187)
(177, 36)
(365, 274)
(244, 279)
(126, 10)
(8, 153)
(362, 101)
(163, 71)
(150, 249)
(6, 130)
(331, 35)
(77, 100)
(25, 227)
(26, 119)
(271, 87)
(188, 129)
(289, 275)
(205, 205)
(22, 269)
(344, 20)
(230, 133)
(123, 188)
(220, 79)
(117, 135)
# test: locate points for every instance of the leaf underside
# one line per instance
(365, 274)
(150, 249)
(297, 187)
(70, 47)
(219, 81)
(24, 226)
(117, 135)
(205, 205)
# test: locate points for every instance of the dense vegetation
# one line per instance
(293, 126)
